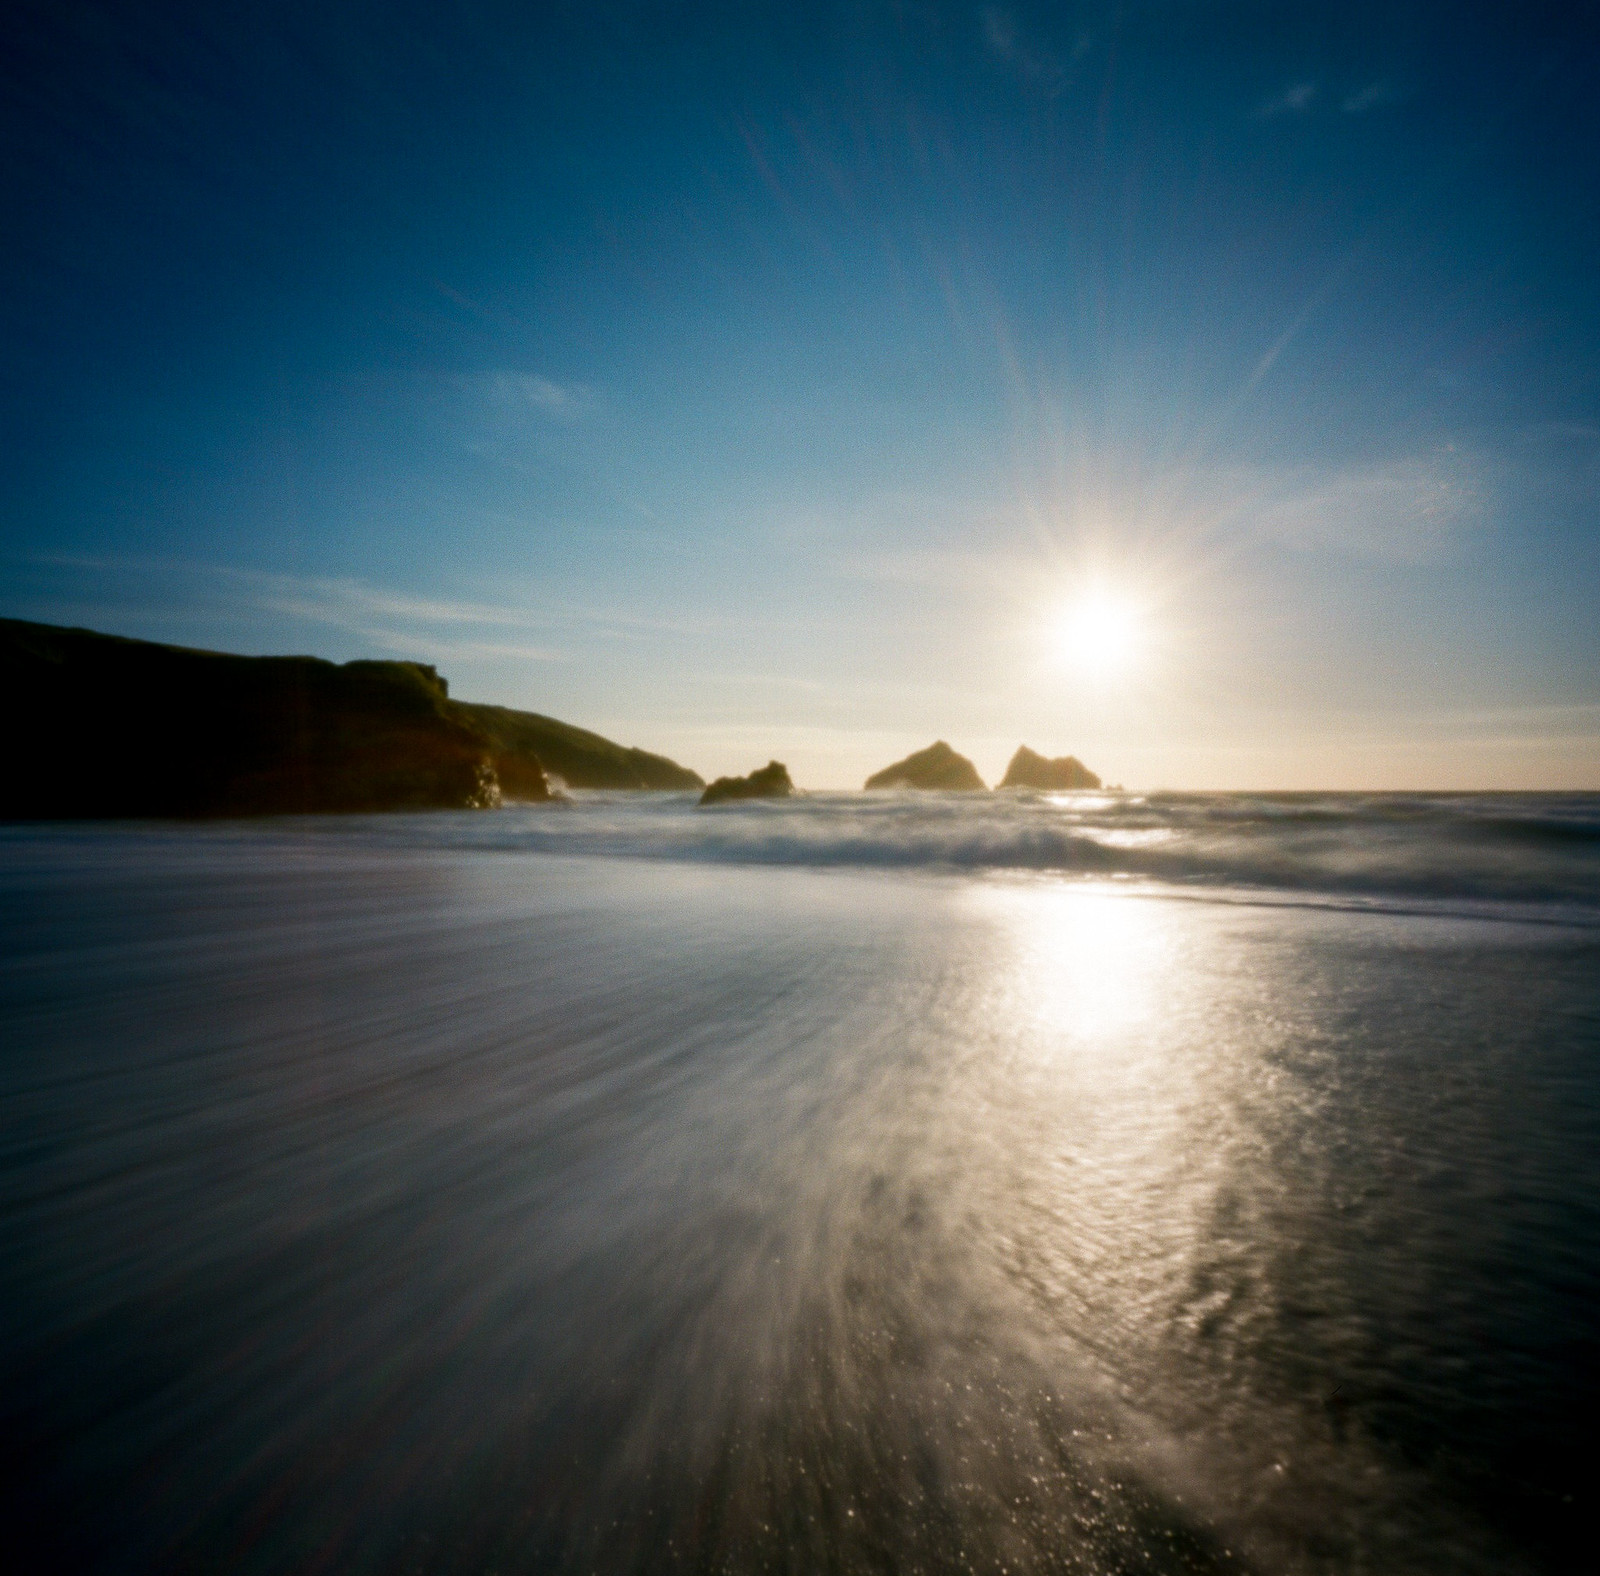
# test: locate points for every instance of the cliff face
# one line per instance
(102, 726)
(771, 782)
(579, 758)
(1031, 770)
(938, 766)
(522, 776)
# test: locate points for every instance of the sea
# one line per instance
(1094, 1183)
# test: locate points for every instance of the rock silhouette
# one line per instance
(771, 782)
(937, 767)
(1028, 769)
(104, 726)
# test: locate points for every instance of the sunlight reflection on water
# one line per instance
(460, 1211)
(1086, 958)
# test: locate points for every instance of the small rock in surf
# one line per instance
(771, 782)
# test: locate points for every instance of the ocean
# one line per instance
(855, 1183)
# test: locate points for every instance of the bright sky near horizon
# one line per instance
(1208, 390)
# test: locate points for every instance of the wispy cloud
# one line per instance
(343, 598)
(393, 619)
(363, 608)
(1036, 65)
(524, 391)
(1294, 100)
(1401, 511)
(387, 620)
(1373, 96)
(183, 595)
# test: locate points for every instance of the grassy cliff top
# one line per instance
(582, 759)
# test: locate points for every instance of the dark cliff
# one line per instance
(99, 725)
(102, 726)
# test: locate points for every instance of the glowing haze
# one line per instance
(1210, 391)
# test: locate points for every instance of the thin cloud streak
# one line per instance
(374, 612)
(391, 619)
(1406, 511)
(513, 391)
(1373, 96)
(1038, 67)
(1292, 101)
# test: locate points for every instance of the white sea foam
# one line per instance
(1523, 849)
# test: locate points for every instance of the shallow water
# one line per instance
(859, 1184)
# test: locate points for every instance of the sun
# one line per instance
(1100, 634)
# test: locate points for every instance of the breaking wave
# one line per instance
(1497, 848)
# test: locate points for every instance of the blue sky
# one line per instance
(763, 380)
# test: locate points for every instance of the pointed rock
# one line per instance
(1028, 769)
(938, 766)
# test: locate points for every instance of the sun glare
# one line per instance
(1101, 633)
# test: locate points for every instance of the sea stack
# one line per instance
(937, 767)
(1028, 769)
(771, 782)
